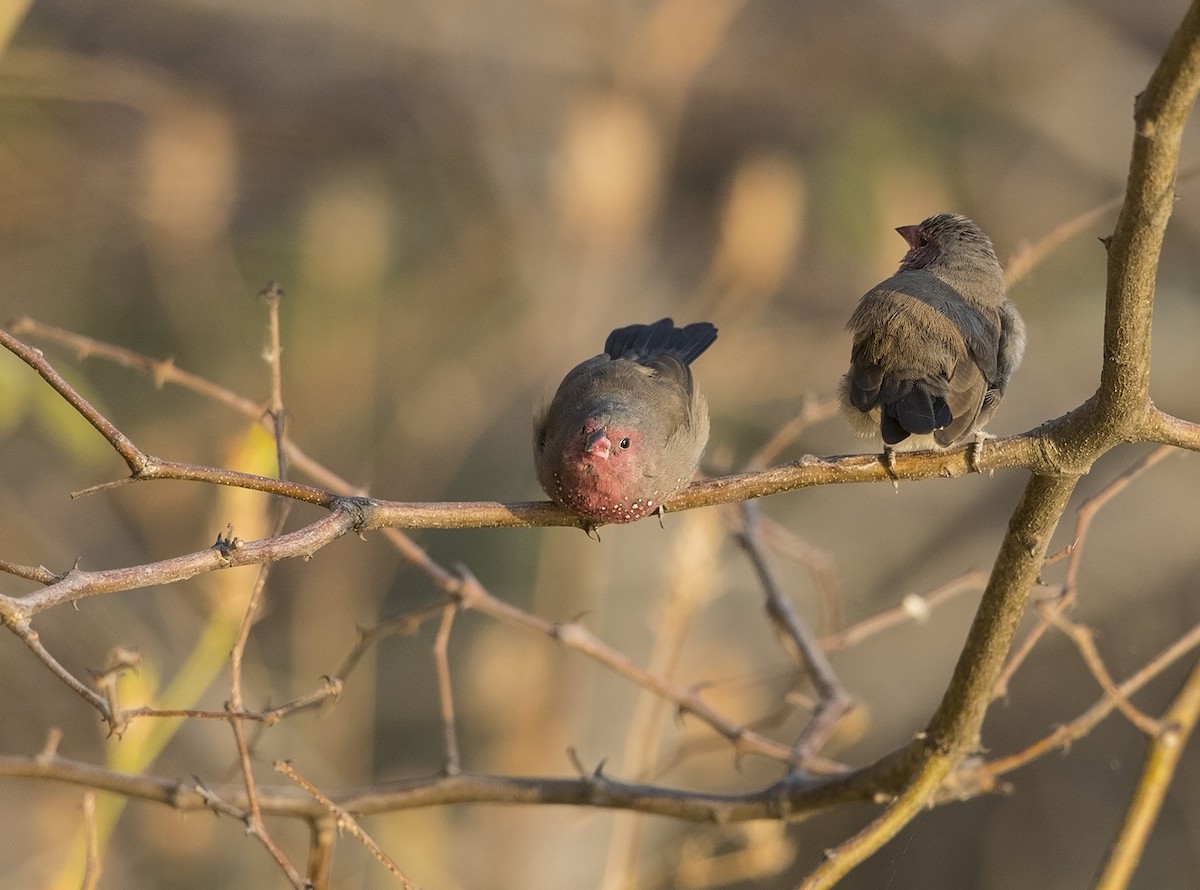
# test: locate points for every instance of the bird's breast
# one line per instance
(598, 490)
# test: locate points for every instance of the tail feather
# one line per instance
(643, 342)
(917, 412)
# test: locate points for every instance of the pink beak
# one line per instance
(597, 443)
(909, 234)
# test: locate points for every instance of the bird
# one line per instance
(626, 428)
(935, 345)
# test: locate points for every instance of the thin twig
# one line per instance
(79, 584)
(346, 822)
(236, 704)
(914, 607)
(41, 574)
(833, 701)
(812, 411)
(237, 655)
(92, 867)
(575, 636)
(451, 763)
(323, 834)
(1166, 747)
(1028, 256)
(33, 640)
(818, 562)
(164, 371)
(129, 452)
(161, 371)
(255, 825)
(276, 412)
(195, 714)
(1068, 733)
(1085, 642)
(407, 625)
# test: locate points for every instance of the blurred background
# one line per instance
(461, 198)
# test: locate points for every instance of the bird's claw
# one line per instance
(889, 464)
(975, 452)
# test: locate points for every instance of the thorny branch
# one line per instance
(346, 822)
(254, 819)
(833, 701)
(791, 797)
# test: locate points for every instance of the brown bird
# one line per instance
(934, 345)
(625, 429)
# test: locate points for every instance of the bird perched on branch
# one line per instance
(934, 345)
(625, 429)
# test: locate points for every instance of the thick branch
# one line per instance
(1160, 113)
(955, 726)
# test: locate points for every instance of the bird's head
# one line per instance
(603, 473)
(923, 246)
(608, 448)
(946, 240)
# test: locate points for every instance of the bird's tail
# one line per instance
(645, 341)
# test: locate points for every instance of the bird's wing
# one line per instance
(1012, 344)
(671, 374)
(965, 392)
(980, 331)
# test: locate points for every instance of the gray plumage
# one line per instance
(626, 429)
(936, 344)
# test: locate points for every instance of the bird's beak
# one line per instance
(909, 234)
(597, 443)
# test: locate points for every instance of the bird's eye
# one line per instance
(624, 443)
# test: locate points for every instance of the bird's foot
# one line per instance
(975, 452)
(889, 464)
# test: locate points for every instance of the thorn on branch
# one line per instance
(226, 544)
(573, 756)
(211, 800)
